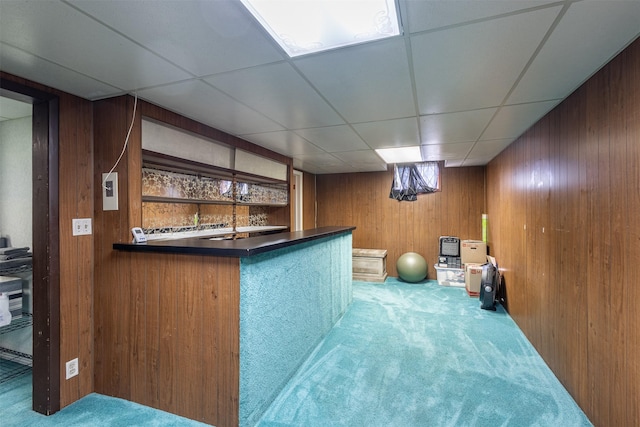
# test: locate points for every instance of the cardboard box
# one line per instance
(473, 279)
(473, 252)
(450, 276)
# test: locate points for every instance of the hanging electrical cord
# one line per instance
(126, 141)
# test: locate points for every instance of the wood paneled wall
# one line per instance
(75, 200)
(309, 201)
(166, 326)
(564, 224)
(362, 200)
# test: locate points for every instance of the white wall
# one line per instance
(15, 181)
(16, 210)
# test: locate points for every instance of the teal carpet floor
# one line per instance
(423, 355)
(403, 355)
(94, 410)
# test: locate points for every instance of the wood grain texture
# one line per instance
(309, 201)
(573, 290)
(174, 345)
(166, 326)
(362, 200)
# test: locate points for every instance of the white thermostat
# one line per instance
(138, 235)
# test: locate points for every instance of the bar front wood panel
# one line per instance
(362, 200)
(169, 334)
(573, 290)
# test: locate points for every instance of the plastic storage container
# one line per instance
(450, 276)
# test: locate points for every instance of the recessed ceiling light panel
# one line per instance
(306, 26)
(400, 154)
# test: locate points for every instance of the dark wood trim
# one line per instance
(46, 260)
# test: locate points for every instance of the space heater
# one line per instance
(489, 286)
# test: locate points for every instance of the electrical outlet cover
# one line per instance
(71, 368)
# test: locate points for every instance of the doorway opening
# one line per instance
(45, 238)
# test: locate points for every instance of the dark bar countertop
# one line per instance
(232, 248)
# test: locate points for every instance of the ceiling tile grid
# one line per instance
(464, 80)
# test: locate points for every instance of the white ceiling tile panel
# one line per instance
(365, 82)
(61, 34)
(476, 65)
(581, 43)
(201, 102)
(445, 151)
(284, 142)
(454, 127)
(476, 162)
(204, 37)
(453, 163)
(484, 150)
(363, 156)
(308, 167)
(31, 67)
(322, 159)
(427, 15)
(389, 133)
(278, 91)
(334, 139)
(338, 169)
(512, 120)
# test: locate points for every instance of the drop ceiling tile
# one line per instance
(476, 162)
(333, 139)
(464, 68)
(337, 169)
(361, 156)
(58, 32)
(487, 150)
(278, 92)
(454, 127)
(363, 83)
(445, 151)
(11, 109)
(566, 60)
(201, 102)
(322, 160)
(323, 164)
(181, 31)
(427, 15)
(513, 120)
(389, 133)
(453, 163)
(284, 142)
(31, 67)
(308, 167)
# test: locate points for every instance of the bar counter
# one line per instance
(232, 248)
(218, 327)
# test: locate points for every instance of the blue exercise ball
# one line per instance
(411, 267)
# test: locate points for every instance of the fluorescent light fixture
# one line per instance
(307, 26)
(400, 154)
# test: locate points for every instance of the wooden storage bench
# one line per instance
(370, 265)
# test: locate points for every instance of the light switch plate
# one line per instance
(81, 226)
(110, 191)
